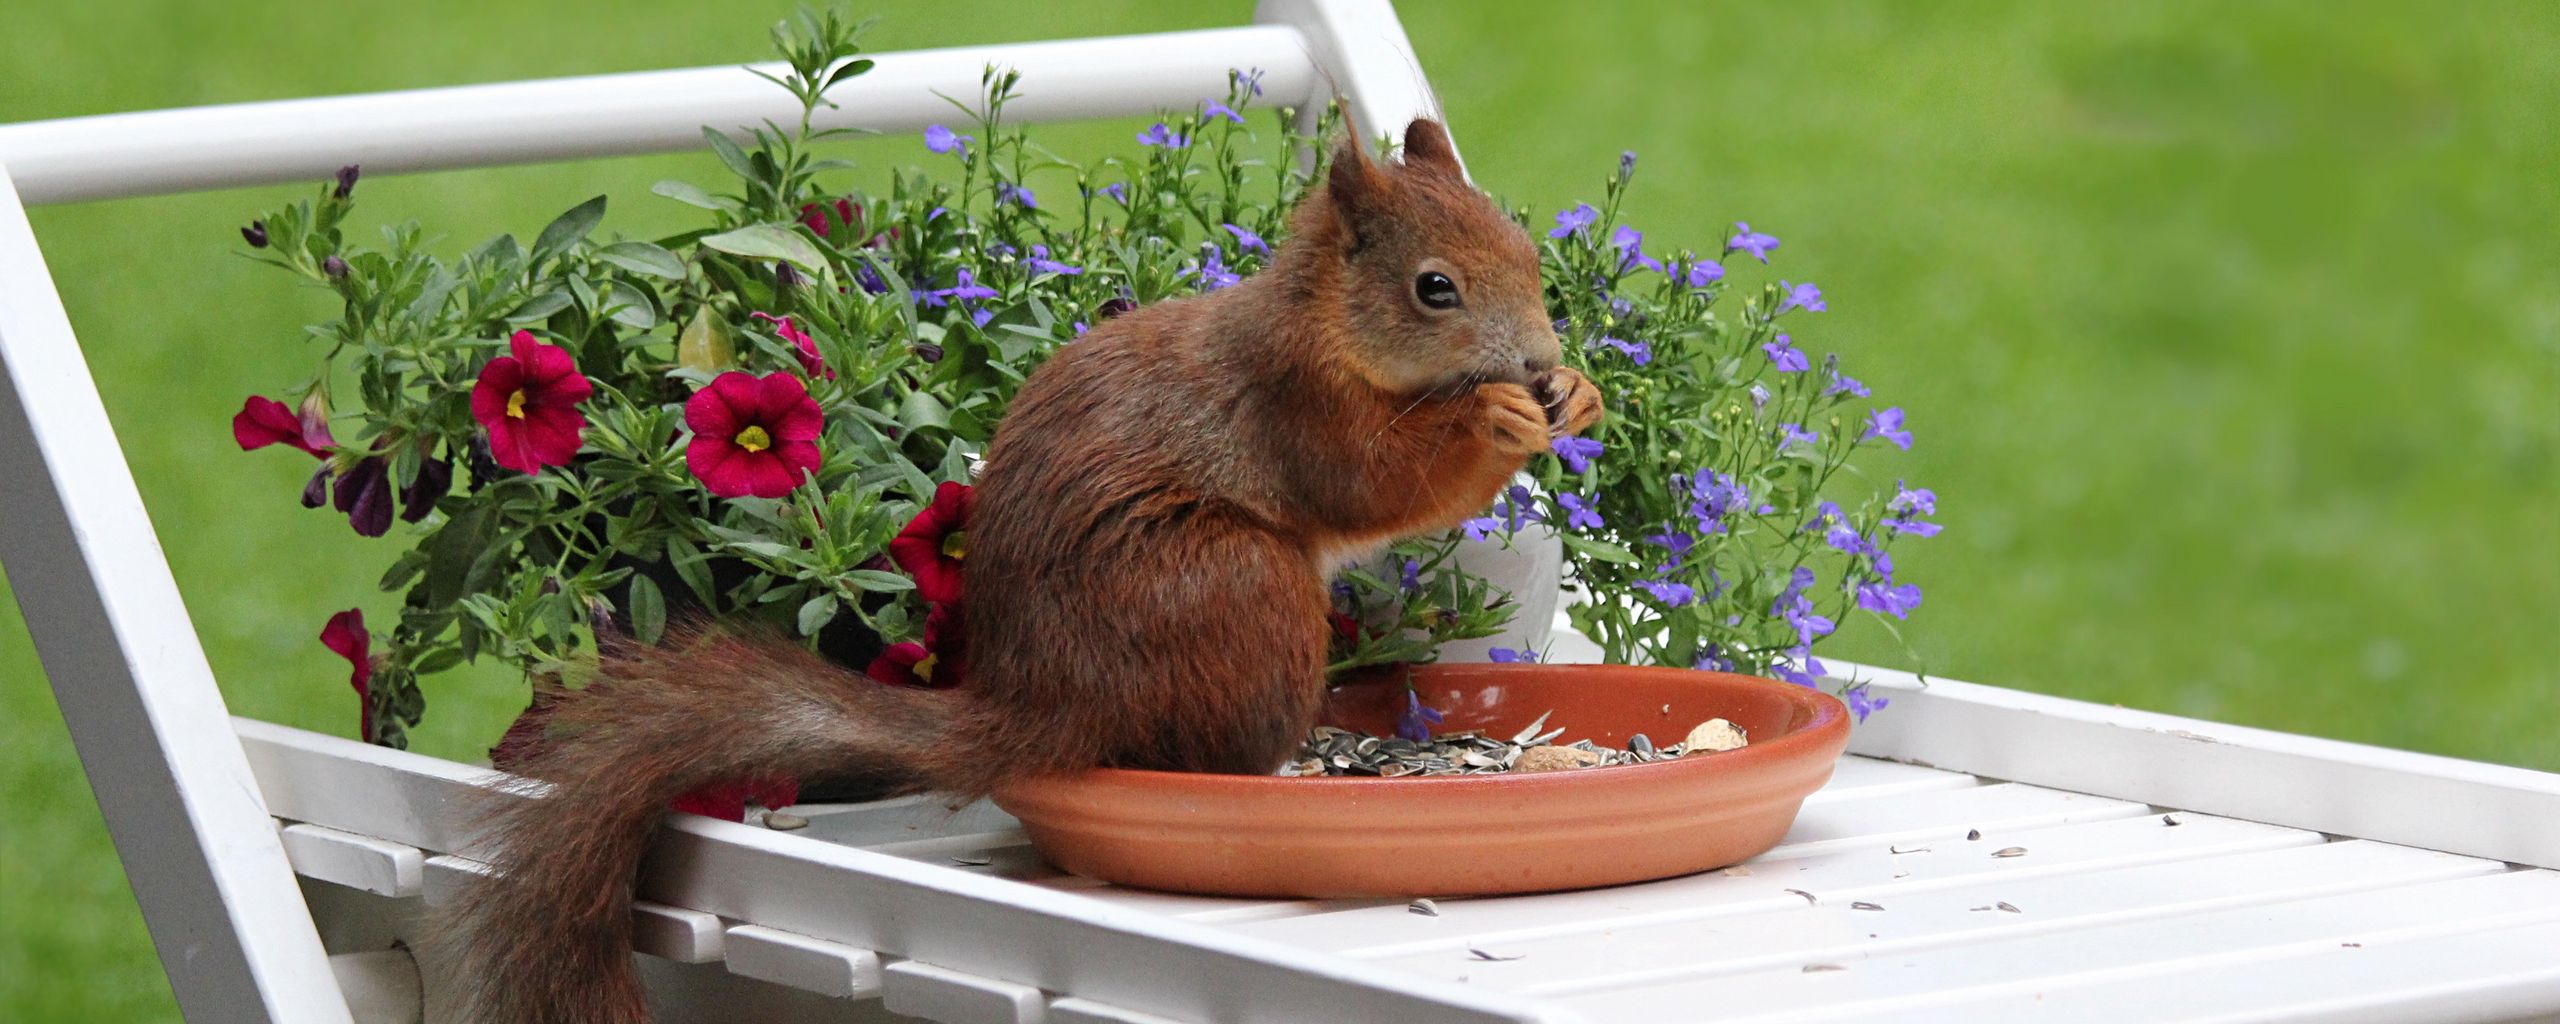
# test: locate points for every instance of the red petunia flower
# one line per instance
(932, 546)
(728, 800)
(265, 421)
(752, 435)
(913, 664)
(346, 635)
(811, 363)
(528, 402)
(815, 215)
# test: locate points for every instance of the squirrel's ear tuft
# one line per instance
(1352, 182)
(1426, 147)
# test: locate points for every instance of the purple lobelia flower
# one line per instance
(1580, 513)
(1713, 497)
(1409, 578)
(1796, 607)
(1704, 273)
(1785, 356)
(981, 315)
(1887, 424)
(1759, 397)
(943, 140)
(1573, 220)
(1518, 506)
(1415, 721)
(1836, 529)
(1910, 499)
(1118, 191)
(1627, 163)
(347, 187)
(1839, 384)
(1247, 240)
(1162, 134)
(1745, 240)
(1508, 656)
(1480, 527)
(1801, 296)
(1889, 599)
(1041, 262)
(1809, 675)
(1914, 527)
(1577, 452)
(1790, 434)
(1669, 593)
(1636, 351)
(1017, 196)
(1250, 78)
(1673, 541)
(1711, 658)
(964, 286)
(1861, 703)
(1216, 109)
(1630, 245)
(1213, 270)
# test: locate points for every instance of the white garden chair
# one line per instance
(1983, 854)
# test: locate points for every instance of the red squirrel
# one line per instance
(1147, 557)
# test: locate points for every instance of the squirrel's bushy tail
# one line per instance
(546, 938)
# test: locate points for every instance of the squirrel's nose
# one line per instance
(1537, 366)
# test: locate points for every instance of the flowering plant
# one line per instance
(1703, 516)
(772, 416)
(775, 415)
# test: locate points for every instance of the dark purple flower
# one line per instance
(1041, 262)
(1577, 452)
(1581, 513)
(1793, 434)
(1162, 135)
(1801, 296)
(1638, 352)
(1861, 704)
(364, 494)
(1669, 593)
(346, 182)
(315, 492)
(435, 479)
(943, 140)
(335, 267)
(1114, 307)
(1508, 656)
(1896, 601)
(869, 279)
(1573, 220)
(1784, 354)
(1216, 109)
(1887, 424)
(1248, 241)
(1016, 195)
(1704, 273)
(1745, 240)
(255, 234)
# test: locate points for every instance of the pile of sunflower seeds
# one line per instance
(1332, 751)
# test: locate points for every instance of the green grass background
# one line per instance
(2228, 331)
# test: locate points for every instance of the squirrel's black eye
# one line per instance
(1436, 290)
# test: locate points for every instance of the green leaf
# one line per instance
(648, 610)
(730, 154)
(844, 71)
(539, 307)
(686, 193)
(568, 229)
(878, 582)
(1600, 549)
(450, 554)
(693, 568)
(631, 308)
(921, 410)
(643, 258)
(816, 613)
(769, 241)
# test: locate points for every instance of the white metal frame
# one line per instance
(194, 814)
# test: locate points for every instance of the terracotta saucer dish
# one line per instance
(1334, 837)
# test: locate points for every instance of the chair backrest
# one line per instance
(126, 666)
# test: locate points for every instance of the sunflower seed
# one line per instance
(780, 822)
(1819, 968)
(1523, 737)
(2010, 851)
(973, 860)
(1864, 905)
(2008, 907)
(1974, 836)
(1808, 897)
(1482, 955)
(1915, 849)
(2170, 820)
(1424, 907)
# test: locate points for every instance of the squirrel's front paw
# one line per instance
(1570, 401)
(1516, 418)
